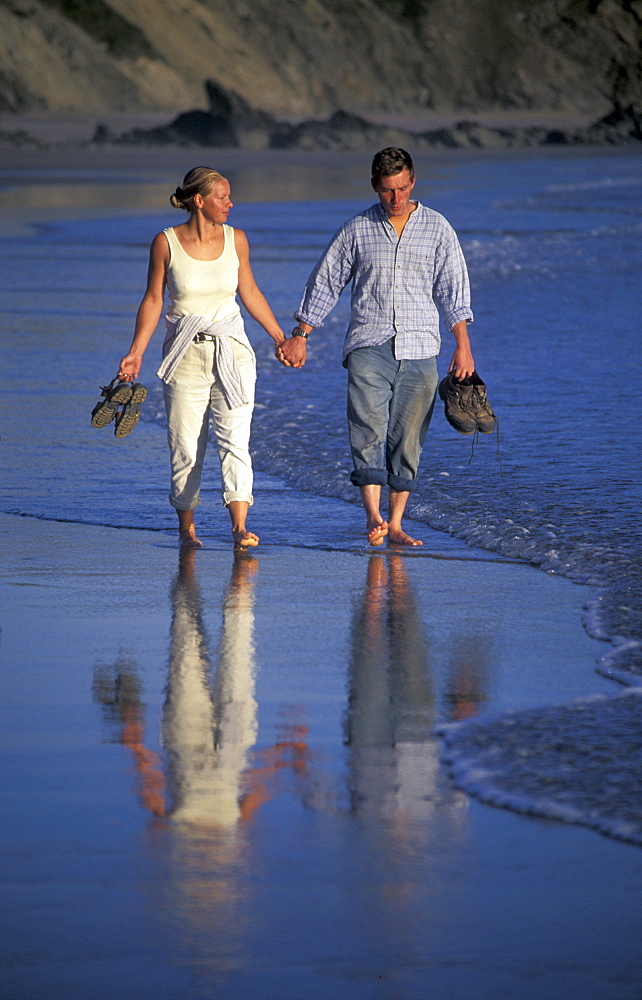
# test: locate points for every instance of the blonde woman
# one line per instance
(208, 364)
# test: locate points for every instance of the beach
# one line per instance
(254, 776)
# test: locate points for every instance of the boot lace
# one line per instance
(475, 438)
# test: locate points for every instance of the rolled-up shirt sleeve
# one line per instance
(451, 287)
(331, 274)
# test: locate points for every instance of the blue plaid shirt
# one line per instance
(399, 285)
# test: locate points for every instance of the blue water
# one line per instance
(553, 248)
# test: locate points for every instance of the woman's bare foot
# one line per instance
(377, 531)
(397, 536)
(187, 530)
(244, 539)
(188, 539)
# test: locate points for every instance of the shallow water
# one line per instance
(553, 247)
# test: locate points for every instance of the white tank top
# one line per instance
(202, 287)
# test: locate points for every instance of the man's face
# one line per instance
(394, 193)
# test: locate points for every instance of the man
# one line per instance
(404, 262)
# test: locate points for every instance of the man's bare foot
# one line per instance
(244, 539)
(188, 539)
(377, 532)
(397, 536)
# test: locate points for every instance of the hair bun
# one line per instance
(178, 198)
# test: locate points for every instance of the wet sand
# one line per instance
(214, 785)
(221, 775)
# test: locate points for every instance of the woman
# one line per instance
(208, 363)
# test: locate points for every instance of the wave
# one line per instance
(578, 763)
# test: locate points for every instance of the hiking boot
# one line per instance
(484, 416)
(458, 403)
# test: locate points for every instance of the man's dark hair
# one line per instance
(390, 161)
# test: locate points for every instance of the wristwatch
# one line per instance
(298, 332)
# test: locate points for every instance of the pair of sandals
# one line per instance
(122, 402)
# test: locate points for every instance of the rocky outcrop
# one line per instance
(231, 122)
(298, 59)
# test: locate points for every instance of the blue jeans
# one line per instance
(390, 404)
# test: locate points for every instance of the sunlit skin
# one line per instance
(202, 237)
(394, 196)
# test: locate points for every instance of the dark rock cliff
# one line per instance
(309, 58)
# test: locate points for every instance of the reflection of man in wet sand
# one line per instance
(391, 706)
(470, 656)
(402, 799)
(404, 263)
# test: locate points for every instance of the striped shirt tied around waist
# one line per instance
(223, 331)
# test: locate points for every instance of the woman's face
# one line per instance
(216, 204)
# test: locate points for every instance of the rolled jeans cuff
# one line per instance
(234, 497)
(401, 485)
(369, 477)
(379, 477)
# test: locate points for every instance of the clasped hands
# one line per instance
(292, 352)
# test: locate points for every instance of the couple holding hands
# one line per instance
(405, 266)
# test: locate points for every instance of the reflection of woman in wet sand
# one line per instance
(119, 690)
(210, 715)
(208, 364)
(209, 724)
(209, 730)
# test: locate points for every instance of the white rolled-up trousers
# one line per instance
(193, 395)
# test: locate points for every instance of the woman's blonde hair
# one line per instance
(198, 180)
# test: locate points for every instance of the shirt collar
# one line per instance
(384, 217)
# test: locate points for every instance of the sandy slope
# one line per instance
(308, 59)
